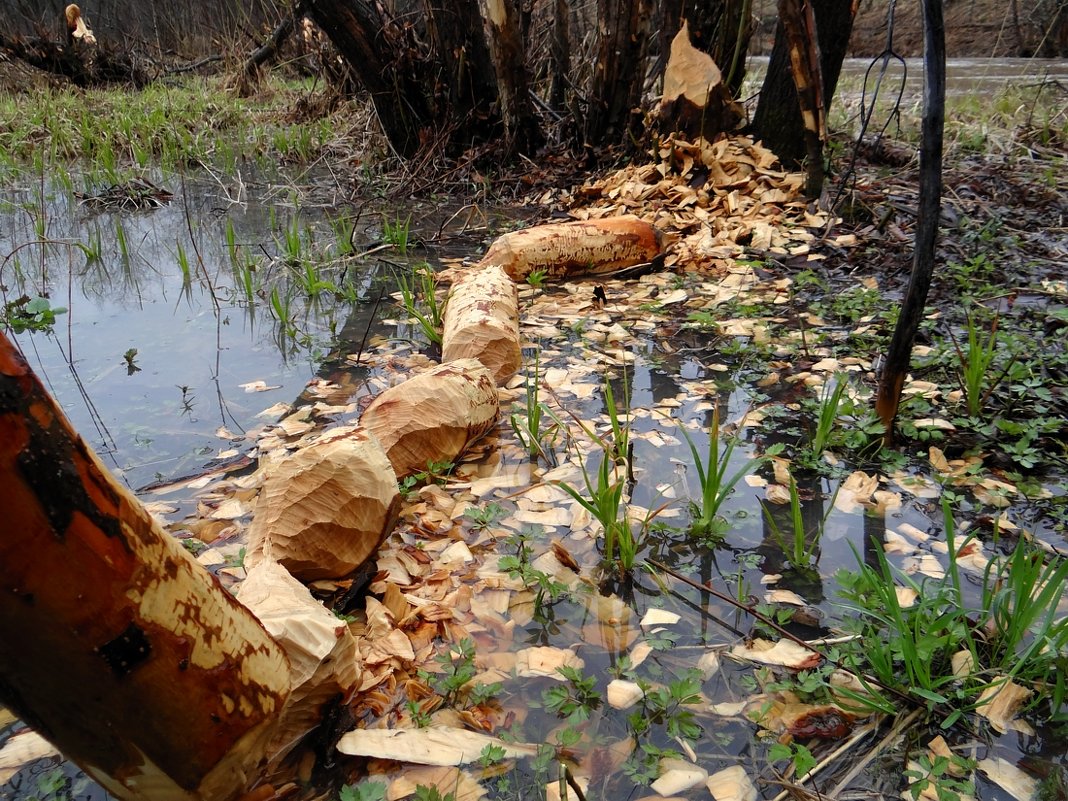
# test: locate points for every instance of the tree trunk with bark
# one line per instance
(899, 354)
(117, 645)
(521, 132)
(619, 71)
(382, 54)
(466, 85)
(778, 120)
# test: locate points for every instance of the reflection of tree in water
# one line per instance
(778, 534)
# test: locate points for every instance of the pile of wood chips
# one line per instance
(723, 200)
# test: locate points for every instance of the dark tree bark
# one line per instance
(619, 71)
(778, 119)
(385, 61)
(521, 131)
(560, 54)
(466, 87)
(899, 354)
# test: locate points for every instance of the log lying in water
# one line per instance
(482, 322)
(434, 416)
(324, 510)
(582, 247)
(117, 645)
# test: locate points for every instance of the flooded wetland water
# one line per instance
(718, 419)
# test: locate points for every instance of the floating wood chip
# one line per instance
(322, 652)
(587, 247)
(732, 784)
(482, 322)
(434, 416)
(324, 510)
(441, 745)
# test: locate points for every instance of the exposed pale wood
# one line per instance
(434, 416)
(581, 247)
(696, 102)
(324, 510)
(117, 645)
(324, 662)
(439, 745)
(482, 322)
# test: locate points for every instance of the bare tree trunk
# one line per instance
(778, 119)
(619, 71)
(117, 646)
(521, 131)
(899, 354)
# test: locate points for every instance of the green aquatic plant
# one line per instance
(715, 479)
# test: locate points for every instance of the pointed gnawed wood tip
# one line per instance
(74, 15)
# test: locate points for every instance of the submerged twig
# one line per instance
(767, 621)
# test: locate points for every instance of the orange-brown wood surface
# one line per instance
(116, 644)
(482, 322)
(582, 247)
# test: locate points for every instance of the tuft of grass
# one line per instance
(713, 474)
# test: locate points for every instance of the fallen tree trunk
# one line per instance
(570, 249)
(435, 416)
(324, 510)
(482, 322)
(118, 646)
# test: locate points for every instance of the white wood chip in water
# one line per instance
(732, 784)
(442, 745)
(678, 776)
(659, 617)
(258, 386)
(784, 597)
(1010, 778)
(544, 661)
(784, 652)
(25, 747)
(622, 694)
(1000, 704)
(708, 664)
(639, 653)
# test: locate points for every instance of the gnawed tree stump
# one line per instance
(324, 661)
(482, 322)
(696, 102)
(324, 510)
(582, 247)
(117, 645)
(434, 416)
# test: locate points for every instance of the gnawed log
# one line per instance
(323, 658)
(434, 416)
(696, 101)
(582, 247)
(117, 645)
(482, 322)
(324, 510)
